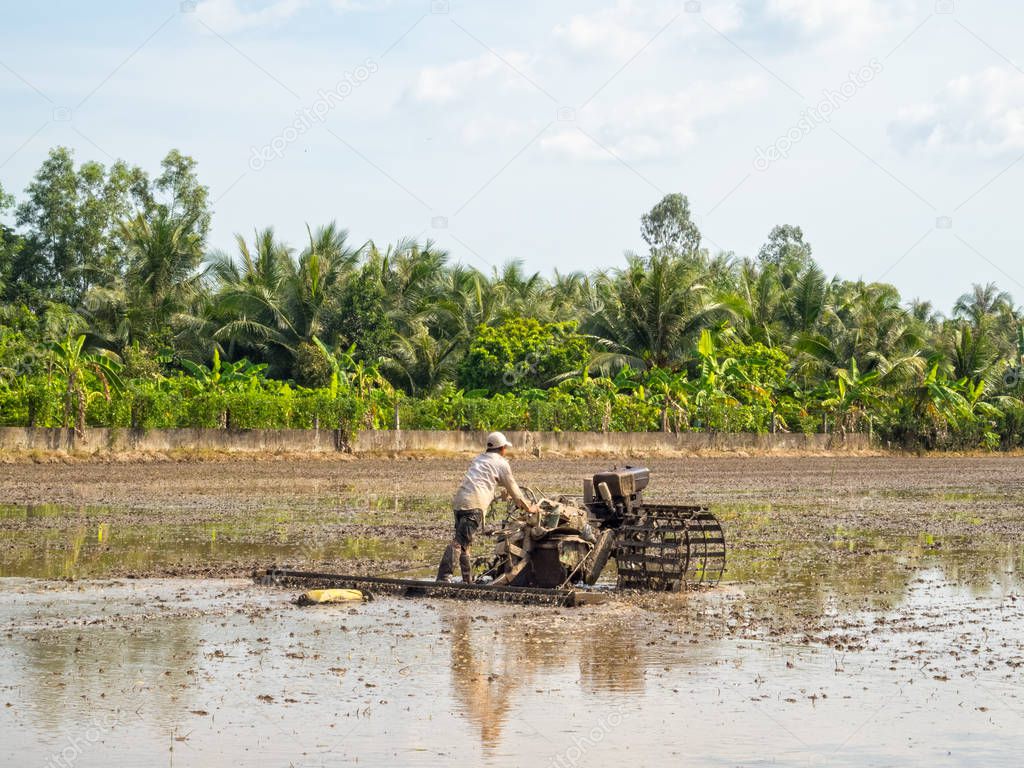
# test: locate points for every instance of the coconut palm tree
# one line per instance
(272, 302)
(970, 353)
(420, 362)
(653, 312)
(864, 323)
(983, 304)
(808, 301)
(522, 294)
(465, 300)
(991, 312)
(411, 276)
(146, 304)
(568, 295)
(760, 297)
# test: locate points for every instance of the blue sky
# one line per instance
(890, 131)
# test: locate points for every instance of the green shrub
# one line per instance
(521, 354)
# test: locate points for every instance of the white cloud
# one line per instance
(361, 5)
(571, 143)
(651, 124)
(622, 29)
(725, 16)
(605, 31)
(849, 20)
(490, 129)
(234, 15)
(983, 113)
(461, 79)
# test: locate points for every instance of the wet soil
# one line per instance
(214, 673)
(225, 518)
(872, 614)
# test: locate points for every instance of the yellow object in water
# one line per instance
(318, 596)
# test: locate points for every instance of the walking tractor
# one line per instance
(553, 554)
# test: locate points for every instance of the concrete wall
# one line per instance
(601, 442)
(99, 440)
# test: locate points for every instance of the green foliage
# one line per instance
(82, 376)
(267, 302)
(73, 215)
(651, 312)
(311, 367)
(361, 317)
(786, 248)
(113, 313)
(521, 354)
(669, 227)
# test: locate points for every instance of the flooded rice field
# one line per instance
(871, 615)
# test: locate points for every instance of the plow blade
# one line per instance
(379, 585)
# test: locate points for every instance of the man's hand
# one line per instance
(533, 509)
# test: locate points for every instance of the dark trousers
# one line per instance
(467, 523)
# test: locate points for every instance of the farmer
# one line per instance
(474, 495)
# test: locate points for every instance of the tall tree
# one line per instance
(983, 304)
(760, 299)
(10, 246)
(179, 196)
(786, 248)
(668, 226)
(991, 313)
(72, 217)
(160, 280)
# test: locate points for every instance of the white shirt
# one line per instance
(486, 472)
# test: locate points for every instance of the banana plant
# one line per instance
(383, 401)
(628, 381)
(77, 369)
(975, 404)
(668, 389)
(238, 375)
(710, 390)
(854, 396)
(946, 403)
(347, 371)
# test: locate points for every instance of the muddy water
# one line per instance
(218, 672)
(882, 629)
(814, 665)
(58, 541)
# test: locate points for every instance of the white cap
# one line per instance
(497, 440)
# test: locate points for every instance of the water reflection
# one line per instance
(417, 682)
(494, 660)
(52, 541)
(73, 674)
(790, 581)
(484, 679)
(874, 575)
(80, 654)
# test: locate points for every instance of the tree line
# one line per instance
(114, 311)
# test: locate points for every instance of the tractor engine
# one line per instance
(661, 547)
